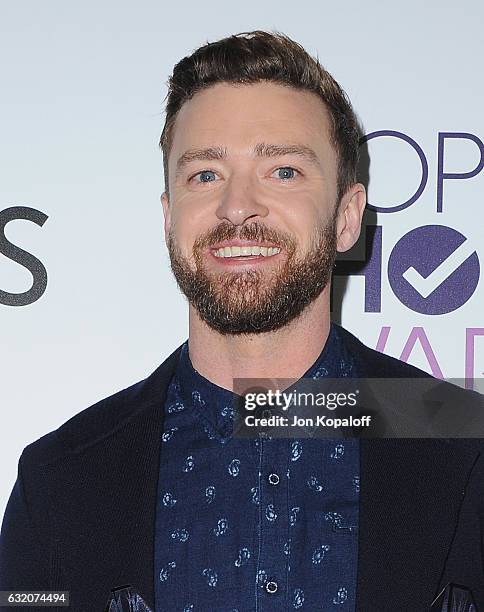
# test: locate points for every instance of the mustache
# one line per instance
(255, 231)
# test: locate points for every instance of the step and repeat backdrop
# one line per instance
(88, 305)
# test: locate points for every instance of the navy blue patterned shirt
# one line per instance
(246, 525)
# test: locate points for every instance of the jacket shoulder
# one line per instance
(102, 419)
(373, 364)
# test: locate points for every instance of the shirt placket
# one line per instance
(272, 560)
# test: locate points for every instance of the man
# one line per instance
(150, 487)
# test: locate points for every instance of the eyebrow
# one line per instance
(260, 150)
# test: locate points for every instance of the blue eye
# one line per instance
(286, 173)
(206, 176)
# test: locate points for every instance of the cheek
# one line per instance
(186, 226)
(303, 213)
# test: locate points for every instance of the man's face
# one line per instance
(251, 223)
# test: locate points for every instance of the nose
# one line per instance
(240, 202)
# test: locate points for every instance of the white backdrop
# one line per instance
(82, 86)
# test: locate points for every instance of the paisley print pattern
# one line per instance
(227, 538)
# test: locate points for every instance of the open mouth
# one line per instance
(247, 251)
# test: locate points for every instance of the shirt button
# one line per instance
(271, 586)
(273, 479)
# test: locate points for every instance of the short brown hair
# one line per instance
(249, 57)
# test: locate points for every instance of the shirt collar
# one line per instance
(214, 404)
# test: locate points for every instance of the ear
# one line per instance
(165, 202)
(350, 214)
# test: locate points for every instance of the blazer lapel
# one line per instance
(411, 491)
(107, 492)
(138, 556)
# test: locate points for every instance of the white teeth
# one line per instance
(237, 251)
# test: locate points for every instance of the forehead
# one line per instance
(237, 116)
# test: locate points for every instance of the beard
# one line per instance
(255, 301)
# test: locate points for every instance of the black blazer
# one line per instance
(81, 516)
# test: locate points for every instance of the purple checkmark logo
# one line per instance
(433, 269)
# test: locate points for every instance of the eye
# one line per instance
(286, 173)
(205, 176)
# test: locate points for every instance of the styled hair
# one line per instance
(251, 57)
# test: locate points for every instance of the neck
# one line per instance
(285, 353)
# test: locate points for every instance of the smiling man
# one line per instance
(253, 218)
(152, 487)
